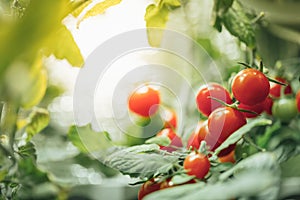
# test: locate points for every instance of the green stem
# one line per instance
(250, 141)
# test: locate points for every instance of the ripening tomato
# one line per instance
(268, 104)
(175, 139)
(196, 137)
(224, 121)
(298, 100)
(275, 88)
(228, 158)
(144, 101)
(285, 109)
(205, 104)
(196, 165)
(169, 118)
(257, 108)
(148, 187)
(250, 86)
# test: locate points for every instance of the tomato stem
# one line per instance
(250, 141)
(278, 82)
(245, 65)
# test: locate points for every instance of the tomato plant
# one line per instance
(204, 100)
(250, 87)
(175, 139)
(275, 88)
(257, 109)
(224, 121)
(298, 100)
(285, 109)
(144, 101)
(196, 165)
(148, 187)
(268, 104)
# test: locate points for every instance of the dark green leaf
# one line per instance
(291, 167)
(161, 140)
(87, 140)
(264, 139)
(38, 120)
(237, 135)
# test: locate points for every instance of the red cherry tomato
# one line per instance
(267, 104)
(250, 86)
(205, 104)
(298, 100)
(275, 88)
(257, 108)
(170, 119)
(144, 101)
(228, 158)
(148, 187)
(224, 121)
(196, 165)
(195, 138)
(175, 139)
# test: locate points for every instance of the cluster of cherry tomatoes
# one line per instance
(252, 94)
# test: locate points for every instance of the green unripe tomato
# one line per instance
(285, 109)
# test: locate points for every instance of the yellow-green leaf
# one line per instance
(63, 46)
(99, 8)
(38, 120)
(156, 18)
(79, 6)
(173, 3)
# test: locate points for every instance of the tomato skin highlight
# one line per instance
(298, 100)
(285, 109)
(148, 187)
(257, 108)
(196, 165)
(169, 184)
(205, 104)
(224, 121)
(250, 86)
(275, 88)
(144, 101)
(175, 139)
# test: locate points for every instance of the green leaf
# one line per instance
(263, 140)
(239, 24)
(237, 135)
(99, 8)
(261, 184)
(87, 140)
(291, 167)
(138, 161)
(63, 46)
(161, 140)
(38, 120)
(173, 3)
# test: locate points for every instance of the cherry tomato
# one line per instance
(144, 101)
(275, 88)
(228, 158)
(298, 100)
(196, 165)
(175, 139)
(224, 121)
(257, 108)
(250, 86)
(148, 187)
(205, 104)
(268, 104)
(170, 119)
(203, 134)
(285, 109)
